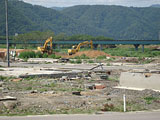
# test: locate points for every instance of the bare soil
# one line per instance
(54, 96)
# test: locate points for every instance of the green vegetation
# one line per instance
(32, 54)
(79, 61)
(3, 78)
(130, 52)
(27, 54)
(149, 100)
(83, 56)
(90, 61)
(95, 20)
(101, 57)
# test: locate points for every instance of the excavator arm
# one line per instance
(44, 48)
(73, 51)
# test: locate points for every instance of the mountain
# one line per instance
(155, 5)
(120, 22)
(24, 17)
(58, 8)
(97, 20)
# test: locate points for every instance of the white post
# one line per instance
(124, 102)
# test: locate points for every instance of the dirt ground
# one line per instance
(89, 53)
(88, 92)
(71, 96)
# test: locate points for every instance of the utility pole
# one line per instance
(159, 35)
(7, 42)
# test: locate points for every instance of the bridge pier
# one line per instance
(136, 46)
(142, 48)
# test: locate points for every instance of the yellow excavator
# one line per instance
(77, 48)
(45, 48)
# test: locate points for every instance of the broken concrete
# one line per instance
(6, 98)
(140, 80)
(36, 72)
(42, 60)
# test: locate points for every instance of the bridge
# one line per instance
(136, 43)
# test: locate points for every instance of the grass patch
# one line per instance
(101, 57)
(31, 54)
(130, 52)
(50, 85)
(27, 54)
(115, 79)
(78, 61)
(3, 78)
(149, 100)
(29, 88)
(90, 61)
(83, 56)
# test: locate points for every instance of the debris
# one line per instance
(17, 80)
(104, 77)
(8, 98)
(64, 78)
(100, 65)
(63, 60)
(147, 74)
(49, 92)
(99, 86)
(1, 84)
(76, 93)
(10, 104)
(90, 86)
(108, 107)
(34, 91)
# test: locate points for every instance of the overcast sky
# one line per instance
(66, 3)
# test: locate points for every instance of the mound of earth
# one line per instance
(89, 53)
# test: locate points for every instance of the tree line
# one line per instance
(42, 36)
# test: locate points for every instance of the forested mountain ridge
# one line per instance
(24, 17)
(121, 22)
(97, 20)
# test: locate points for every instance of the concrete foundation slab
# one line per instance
(140, 80)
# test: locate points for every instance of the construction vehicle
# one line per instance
(77, 48)
(45, 48)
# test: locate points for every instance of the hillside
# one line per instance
(97, 20)
(120, 22)
(156, 5)
(24, 17)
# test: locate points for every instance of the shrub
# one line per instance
(27, 54)
(90, 61)
(39, 55)
(77, 57)
(78, 61)
(45, 55)
(57, 57)
(52, 56)
(72, 61)
(83, 56)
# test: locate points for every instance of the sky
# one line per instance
(66, 3)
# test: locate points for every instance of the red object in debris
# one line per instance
(100, 86)
(17, 80)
